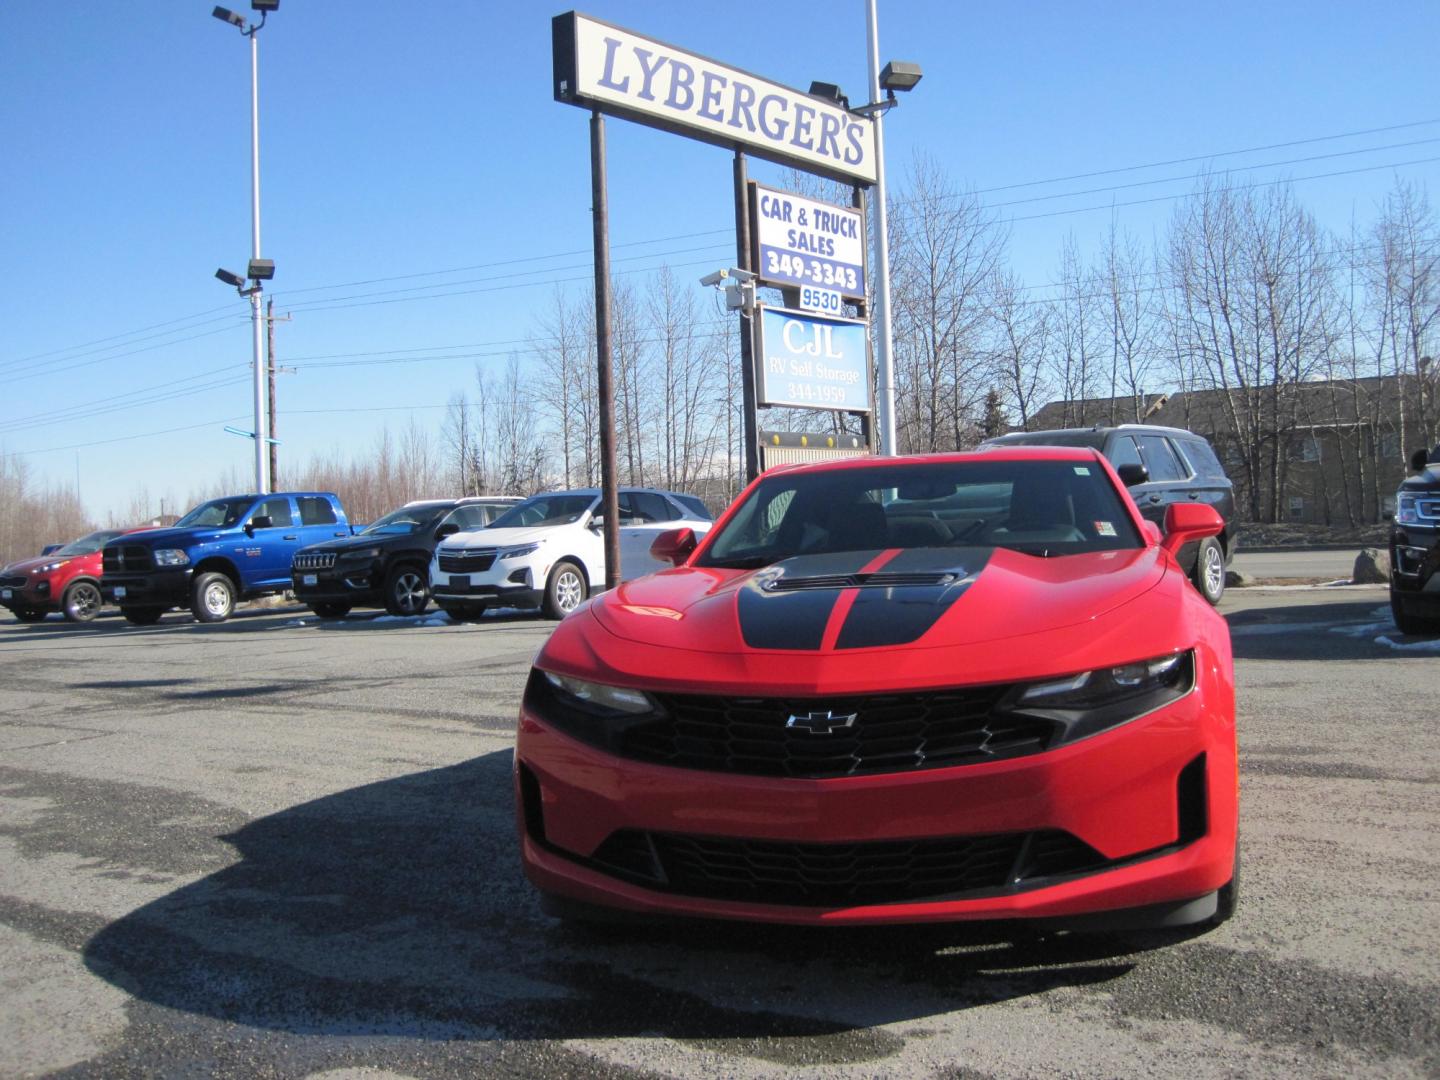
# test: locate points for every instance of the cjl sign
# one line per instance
(811, 362)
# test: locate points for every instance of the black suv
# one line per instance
(387, 564)
(1168, 465)
(1415, 548)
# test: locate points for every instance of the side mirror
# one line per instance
(674, 546)
(1131, 474)
(1185, 523)
(48, 548)
(1419, 459)
(260, 521)
(450, 528)
(596, 522)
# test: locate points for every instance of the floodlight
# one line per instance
(900, 75)
(829, 92)
(226, 15)
(261, 269)
(230, 279)
(265, 5)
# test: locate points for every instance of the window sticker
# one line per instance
(1082, 470)
(1104, 528)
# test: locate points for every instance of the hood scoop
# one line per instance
(879, 580)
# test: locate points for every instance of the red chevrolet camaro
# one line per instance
(961, 687)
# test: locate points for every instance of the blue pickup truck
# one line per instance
(224, 551)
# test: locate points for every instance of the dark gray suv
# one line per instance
(1168, 465)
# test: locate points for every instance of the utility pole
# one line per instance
(270, 320)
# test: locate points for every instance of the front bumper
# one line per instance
(515, 589)
(1155, 800)
(357, 584)
(33, 594)
(157, 588)
(1415, 567)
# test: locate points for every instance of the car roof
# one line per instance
(994, 452)
(1098, 429)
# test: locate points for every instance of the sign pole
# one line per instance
(747, 350)
(862, 307)
(609, 491)
(884, 340)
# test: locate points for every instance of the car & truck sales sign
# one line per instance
(599, 66)
(803, 242)
(811, 362)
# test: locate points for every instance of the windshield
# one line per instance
(407, 519)
(218, 514)
(1041, 508)
(539, 510)
(88, 545)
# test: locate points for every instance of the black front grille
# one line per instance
(841, 875)
(126, 559)
(322, 560)
(888, 733)
(17, 582)
(468, 561)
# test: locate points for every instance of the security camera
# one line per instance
(714, 279)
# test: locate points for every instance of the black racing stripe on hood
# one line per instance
(794, 620)
(897, 616)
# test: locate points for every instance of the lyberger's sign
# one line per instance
(599, 66)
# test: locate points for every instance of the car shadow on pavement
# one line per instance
(1352, 630)
(399, 908)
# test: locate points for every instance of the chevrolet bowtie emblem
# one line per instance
(820, 723)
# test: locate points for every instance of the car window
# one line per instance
(694, 505)
(545, 510)
(471, 517)
(651, 507)
(1202, 459)
(1123, 451)
(315, 511)
(277, 510)
(219, 513)
(88, 545)
(1160, 459)
(1043, 508)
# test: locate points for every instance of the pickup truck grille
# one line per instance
(126, 559)
(320, 560)
(466, 560)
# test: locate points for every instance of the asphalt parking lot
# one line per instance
(279, 847)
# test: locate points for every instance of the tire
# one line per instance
(212, 598)
(29, 615)
(464, 612)
(81, 601)
(331, 610)
(142, 616)
(1404, 621)
(407, 590)
(565, 591)
(1209, 576)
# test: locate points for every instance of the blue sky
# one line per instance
(415, 139)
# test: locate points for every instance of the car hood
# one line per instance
(917, 599)
(24, 566)
(174, 538)
(380, 540)
(499, 538)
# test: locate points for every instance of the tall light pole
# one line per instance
(258, 267)
(897, 75)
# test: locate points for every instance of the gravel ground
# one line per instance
(279, 848)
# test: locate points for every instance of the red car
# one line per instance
(66, 580)
(895, 690)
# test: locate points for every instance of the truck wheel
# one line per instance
(565, 590)
(29, 614)
(333, 610)
(142, 616)
(464, 612)
(407, 590)
(1404, 621)
(81, 601)
(212, 598)
(1209, 575)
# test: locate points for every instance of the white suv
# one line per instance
(549, 551)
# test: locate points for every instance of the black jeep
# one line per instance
(1415, 547)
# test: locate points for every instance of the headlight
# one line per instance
(171, 557)
(517, 552)
(599, 697)
(1407, 512)
(363, 553)
(49, 568)
(1094, 701)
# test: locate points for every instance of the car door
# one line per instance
(644, 515)
(277, 543)
(1123, 449)
(318, 522)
